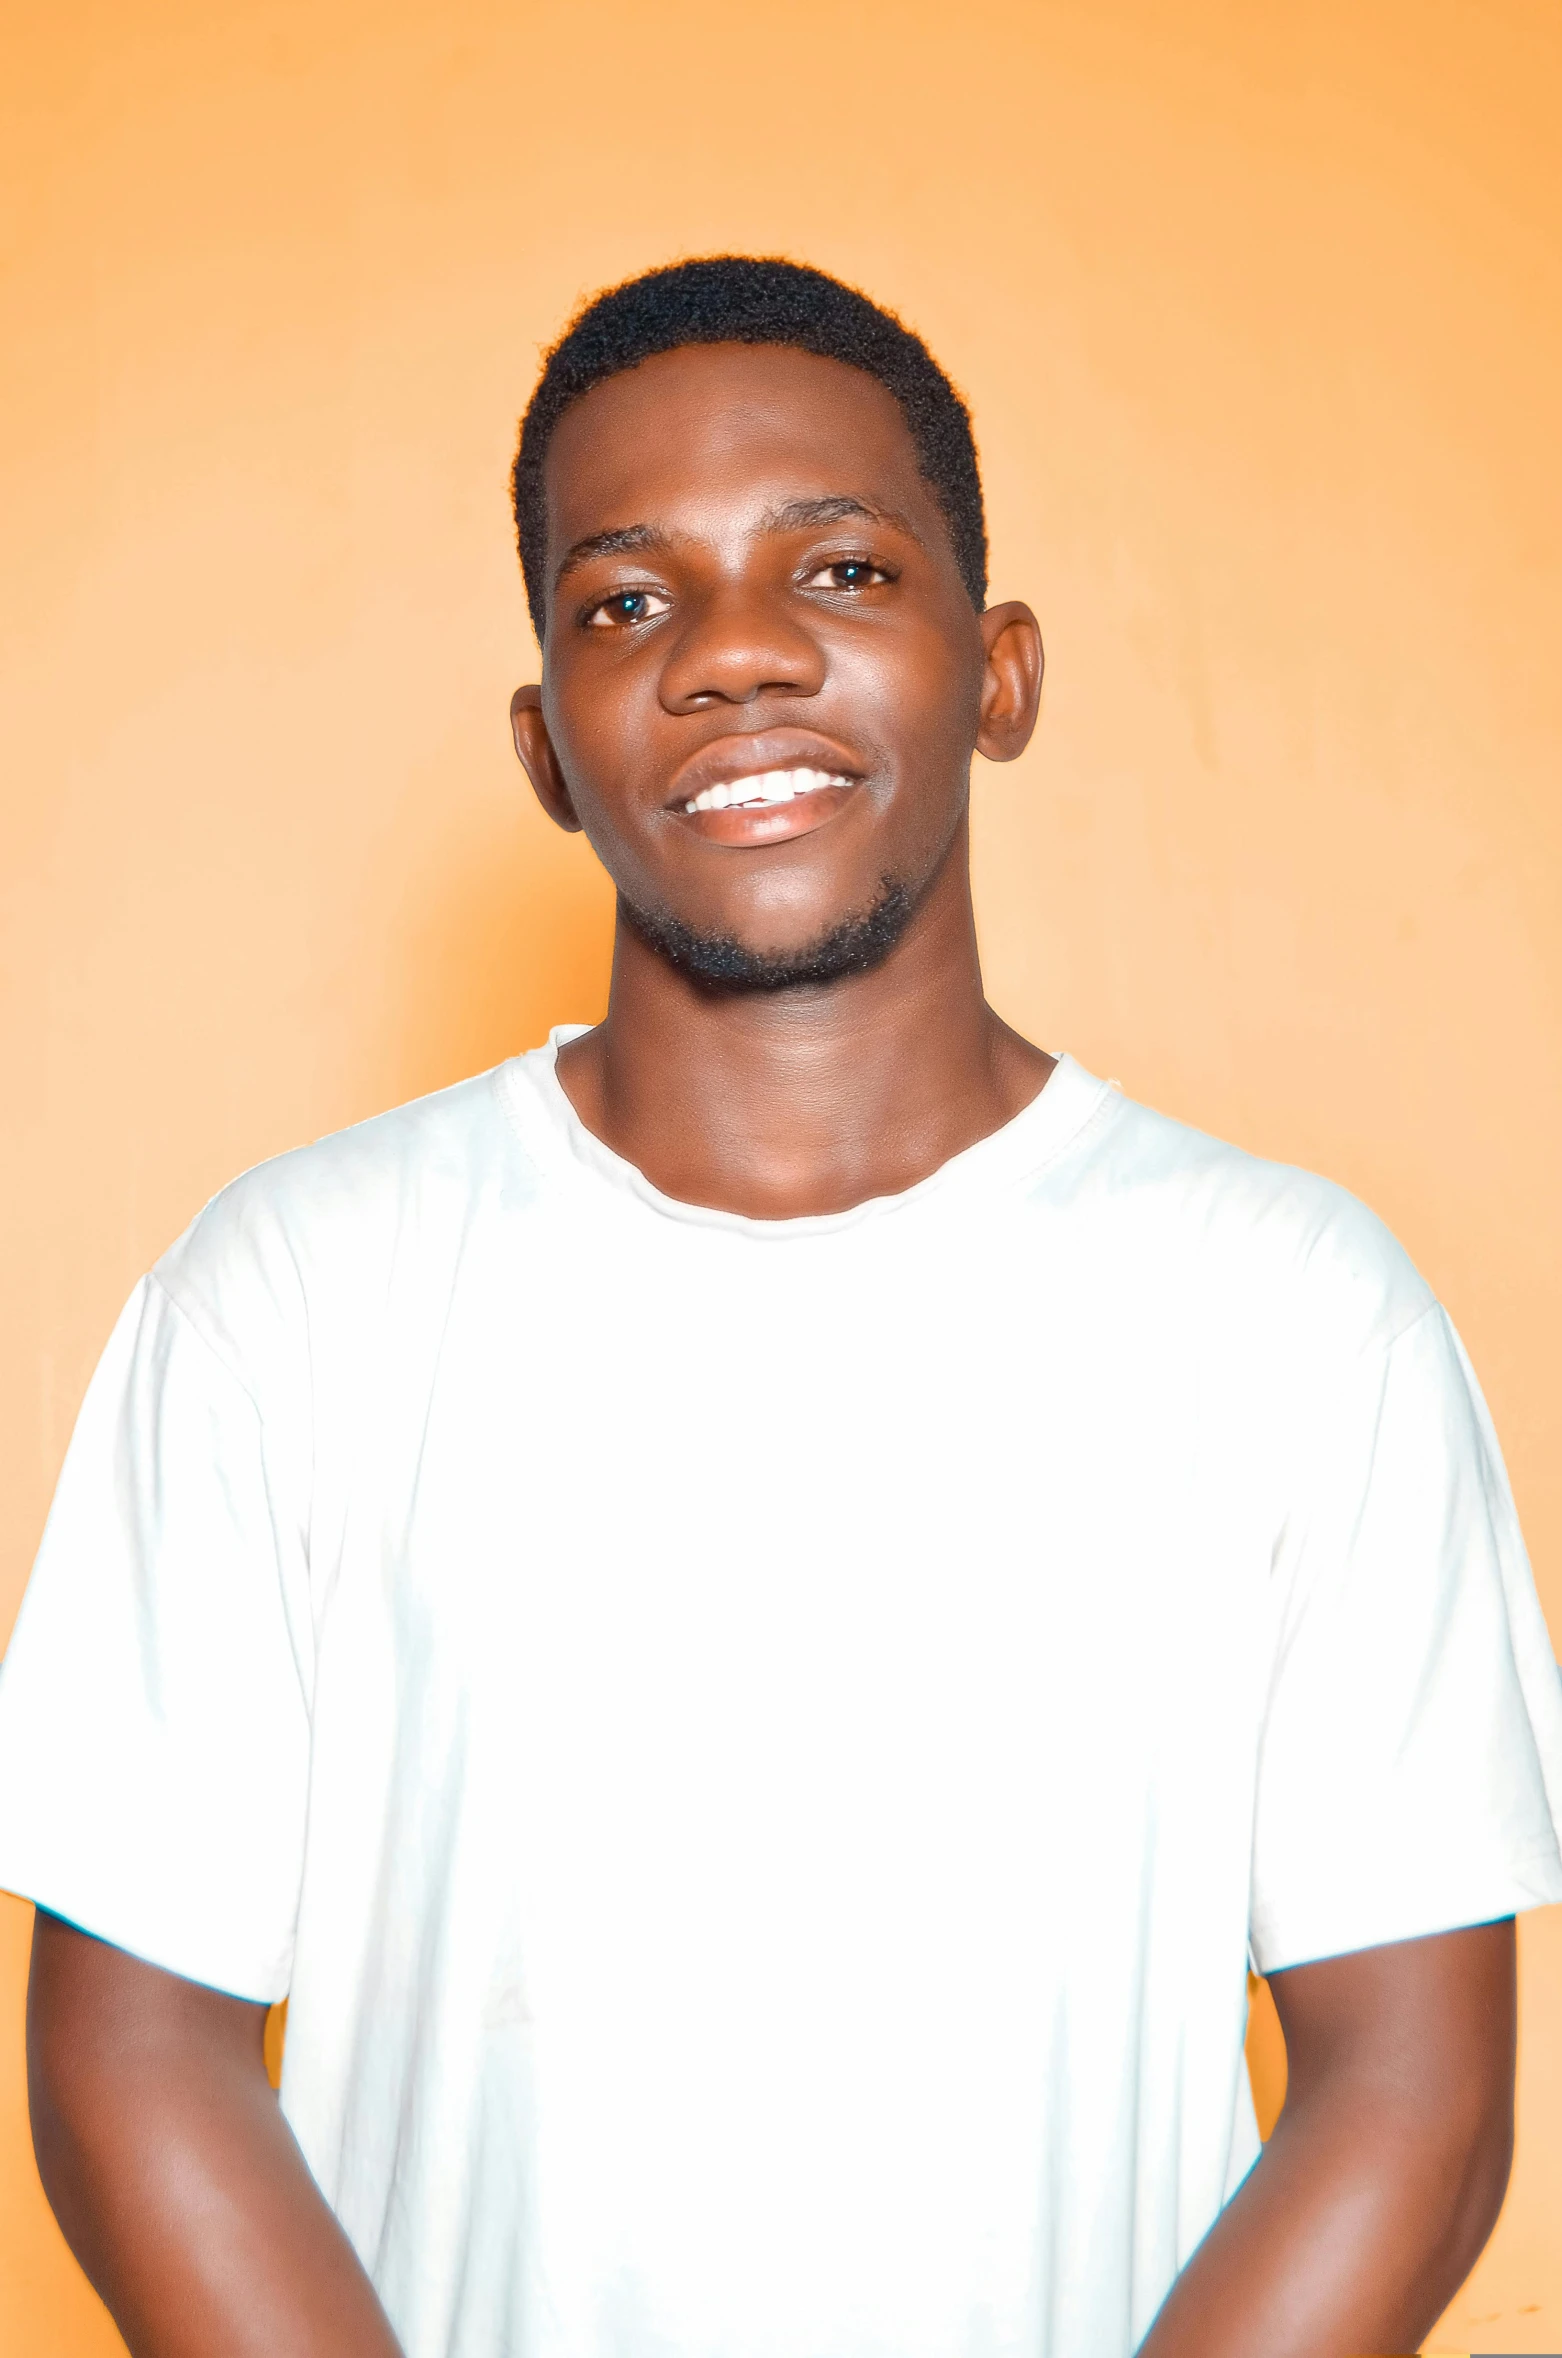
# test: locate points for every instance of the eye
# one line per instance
(848, 573)
(625, 606)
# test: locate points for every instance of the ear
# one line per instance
(1011, 686)
(538, 759)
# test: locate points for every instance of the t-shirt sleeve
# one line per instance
(1410, 1766)
(154, 1733)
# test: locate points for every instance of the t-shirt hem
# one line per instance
(120, 1928)
(1532, 1882)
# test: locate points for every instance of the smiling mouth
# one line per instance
(764, 789)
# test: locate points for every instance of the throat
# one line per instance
(765, 1111)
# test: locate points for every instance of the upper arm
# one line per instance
(105, 2029)
(1386, 2169)
(171, 2170)
(1418, 2039)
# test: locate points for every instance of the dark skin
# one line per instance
(779, 590)
(168, 2164)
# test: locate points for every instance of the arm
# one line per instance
(1387, 2167)
(168, 2164)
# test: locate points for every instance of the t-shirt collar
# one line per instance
(558, 1140)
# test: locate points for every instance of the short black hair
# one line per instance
(743, 299)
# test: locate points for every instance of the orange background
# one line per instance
(1259, 307)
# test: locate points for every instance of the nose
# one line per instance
(738, 645)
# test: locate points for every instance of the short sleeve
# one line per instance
(1410, 1766)
(154, 1733)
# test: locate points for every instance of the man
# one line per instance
(754, 1614)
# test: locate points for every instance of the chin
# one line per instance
(853, 944)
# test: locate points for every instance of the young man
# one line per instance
(753, 1613)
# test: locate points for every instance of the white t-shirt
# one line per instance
(758, 1750)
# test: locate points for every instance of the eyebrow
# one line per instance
(797, 515)
(625, 540)
(804, 515)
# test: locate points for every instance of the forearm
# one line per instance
(173, 2174)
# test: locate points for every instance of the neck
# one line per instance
(779, 1104)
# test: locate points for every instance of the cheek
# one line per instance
(599, 718)
(919, 699)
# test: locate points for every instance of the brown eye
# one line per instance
(626, 606)
(847, 573)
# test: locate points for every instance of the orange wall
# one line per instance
(1259, 304)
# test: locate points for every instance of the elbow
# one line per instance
(1478, 2166)
(63, 2099)
(64, 2166)
(1449, 2163)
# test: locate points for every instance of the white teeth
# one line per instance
(764, 788)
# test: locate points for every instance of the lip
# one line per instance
(727, 758)
(765, 823)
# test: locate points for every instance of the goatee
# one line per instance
(855, 944)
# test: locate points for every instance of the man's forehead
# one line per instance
(764, 427)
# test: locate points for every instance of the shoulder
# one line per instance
(327, 1230)
(1250, 1240)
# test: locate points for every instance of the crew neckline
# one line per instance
(556, 1138)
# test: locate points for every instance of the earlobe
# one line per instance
(541, 764)
(1011, 688)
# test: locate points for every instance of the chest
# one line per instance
(802, 1561)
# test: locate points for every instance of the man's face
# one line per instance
(763, 677)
